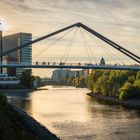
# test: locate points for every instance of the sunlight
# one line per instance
(3, 24)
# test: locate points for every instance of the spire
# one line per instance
(102, 61)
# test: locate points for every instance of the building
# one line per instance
(102, 61)
(8, 82)
(61, 74)
(23, 55)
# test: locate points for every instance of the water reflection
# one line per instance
(72, 115)
(21, 99)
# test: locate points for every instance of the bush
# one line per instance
(129, 91)
(128, 95)
(26, 78)
(3, 99)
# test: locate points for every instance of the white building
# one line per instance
(9, 81)
(61, 74)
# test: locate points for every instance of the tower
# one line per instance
(102, 61)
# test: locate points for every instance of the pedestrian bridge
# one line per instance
(70, 66)
(91, 50)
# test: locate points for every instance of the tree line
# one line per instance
(123, 85)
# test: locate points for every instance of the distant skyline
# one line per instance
(117, 19)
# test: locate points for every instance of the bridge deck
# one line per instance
(71, 66)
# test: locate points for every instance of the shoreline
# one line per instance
(33, 126)
(133, 103)
(25, 121)
(15, 119)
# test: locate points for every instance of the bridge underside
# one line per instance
(96, 67)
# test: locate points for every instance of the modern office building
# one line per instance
(23, 55)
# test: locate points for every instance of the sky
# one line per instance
(116, 19)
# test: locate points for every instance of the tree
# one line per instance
(27, 78)
(138, 76)
(129, 91)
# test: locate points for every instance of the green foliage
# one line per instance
(27, 78)
(137, 83)
(38, 79)
(129, 91)
(78, 81)
(131, 79)
(138, 76)
(121, 84)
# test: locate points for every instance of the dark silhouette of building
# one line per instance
(102, 61)
(23, 55)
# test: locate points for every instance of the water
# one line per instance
(72, 115)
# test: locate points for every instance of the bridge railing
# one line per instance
(37, 63)
(62, 63)
(15, 63)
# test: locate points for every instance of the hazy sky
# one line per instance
(117, 19)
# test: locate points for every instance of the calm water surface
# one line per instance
(72, 115)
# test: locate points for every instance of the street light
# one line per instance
(1, 44)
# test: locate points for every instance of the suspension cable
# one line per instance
(87, 46)
(70, 45)
(54, 42)
(102, 47)
(67, 48)
(107, 51)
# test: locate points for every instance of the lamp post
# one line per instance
(1, 46)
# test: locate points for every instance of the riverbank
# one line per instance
(16, 124)
(133, 103)
(34, 127)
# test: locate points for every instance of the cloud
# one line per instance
(110, 17)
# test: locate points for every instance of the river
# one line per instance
(72, 115)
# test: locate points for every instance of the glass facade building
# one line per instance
(23, 55)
